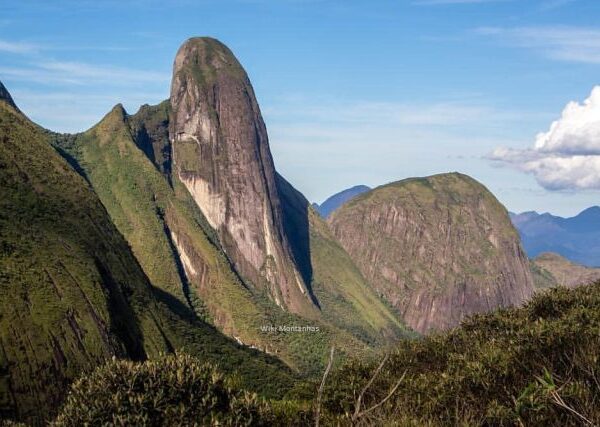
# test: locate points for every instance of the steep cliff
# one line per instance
(221, 154)
(171, 238)
(437, 248)
(550, 269)
(150, 130)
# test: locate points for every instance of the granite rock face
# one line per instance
(438, 249)
(221, 154)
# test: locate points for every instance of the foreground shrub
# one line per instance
(172, 390)
(536, 365)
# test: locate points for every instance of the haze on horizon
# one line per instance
(352, 93)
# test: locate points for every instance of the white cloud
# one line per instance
(78, 73)
(17, 47)
(559, 43)
(567, 156)
(577, 131)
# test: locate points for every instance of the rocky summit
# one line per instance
(437, 248)
(221, 154)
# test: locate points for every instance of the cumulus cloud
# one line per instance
(567, 156)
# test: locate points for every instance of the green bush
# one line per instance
(172, 390)
(535, 365)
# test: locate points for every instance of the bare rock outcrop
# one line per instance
(221, 154)
(438, 249)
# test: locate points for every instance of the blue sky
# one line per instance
(353, 92)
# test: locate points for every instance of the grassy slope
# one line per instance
(146, 209)
(542, 278)
(72, 293)
(502, 368)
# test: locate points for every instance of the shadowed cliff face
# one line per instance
(438, 249)
(221, 154)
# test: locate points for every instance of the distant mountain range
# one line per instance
(576, 238)
(338, 199)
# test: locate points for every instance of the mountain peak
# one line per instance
(221, 151)
(593, 211)
(118, 111)
(5, 96)
(207, 60)
(114, 120)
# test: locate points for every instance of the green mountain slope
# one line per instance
(72, 293)
(180, 255)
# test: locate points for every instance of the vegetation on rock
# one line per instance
(550, 269)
